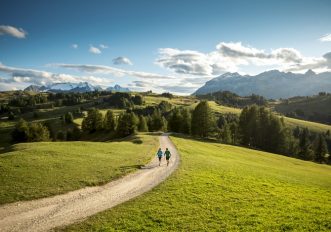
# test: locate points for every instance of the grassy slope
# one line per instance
(226, 188)
(292, 122)
(320, 104)
(35, 170)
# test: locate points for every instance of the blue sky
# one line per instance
(160, 45)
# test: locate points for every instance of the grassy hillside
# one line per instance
(292, 122)
(226, 188)
(315, 108)
(34, 170)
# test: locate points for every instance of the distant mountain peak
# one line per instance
(63, 87)
(310, 72)
(118, 88)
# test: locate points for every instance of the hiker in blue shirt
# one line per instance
(159, 154)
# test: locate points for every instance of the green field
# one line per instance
(227, 188)
(34, 170)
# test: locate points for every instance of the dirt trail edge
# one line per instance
(47, 213)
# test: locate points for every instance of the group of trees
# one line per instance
(124, 100)
(259, 128)
(30, 132)
(124, 124)
(231, 99)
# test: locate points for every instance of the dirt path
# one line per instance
(48, 213)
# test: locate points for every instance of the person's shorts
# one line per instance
(168, 158)
(160, 157)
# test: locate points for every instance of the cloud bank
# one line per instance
(21, 76)
(12, 31)
(230, 57)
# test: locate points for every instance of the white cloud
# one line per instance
(12, 31)
(31, 76)
(94, 50)
(230, 57)
(75, 46)
(122, 60)
(325, 38)
(103, 46)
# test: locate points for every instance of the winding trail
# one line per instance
(47, 213)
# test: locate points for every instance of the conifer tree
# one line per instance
(306, 151)
(127, 124)
(142, 127)
(109, 123)
(321, 149)
(203, 122)
(93, 122)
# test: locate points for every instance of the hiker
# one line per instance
(167, 155)
(159, 154)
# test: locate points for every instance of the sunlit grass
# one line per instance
(227, 188)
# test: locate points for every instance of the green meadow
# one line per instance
(227, 188)
(35, 170)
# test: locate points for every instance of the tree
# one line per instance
(320, 149)
(157, 122)
(142, 126)
(225, 134)
(138, 99)
(11, 116)
(203, 122)
(248, 125)
(306, 151)
(127, 124)
(21, 131)
(93, 122)
(175, 121)
(68, 118)
(186, 121)
(109, 122)
(38, 132)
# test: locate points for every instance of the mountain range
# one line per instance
(73, 87)
(271, 84)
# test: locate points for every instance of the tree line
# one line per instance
(228, 98)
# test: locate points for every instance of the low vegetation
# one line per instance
(227, 188)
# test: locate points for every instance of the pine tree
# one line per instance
(175, 120)
(226, 134)
(109, 122)
(203, 122)
(158, 123)
(142, 127)
(186, 121)
(127, 124)
(248, 124)
(306, 151)
(321, 149)
(69, 118)
(93, 122)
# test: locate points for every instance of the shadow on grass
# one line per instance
(6, 149)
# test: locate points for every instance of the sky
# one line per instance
(159, 45)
